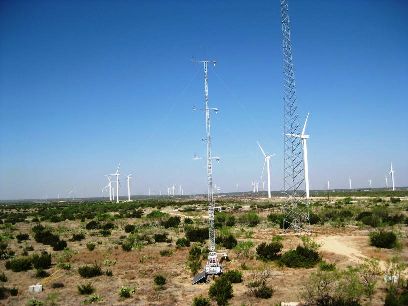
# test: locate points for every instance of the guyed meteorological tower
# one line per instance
(213, 266)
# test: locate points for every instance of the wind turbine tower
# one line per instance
(349, 183)
(294, 173)
(386, 182)
(392, 178)
(267, 158)
(212, 266)
(128, 185)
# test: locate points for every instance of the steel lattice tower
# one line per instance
(213, 266)
(296, 205)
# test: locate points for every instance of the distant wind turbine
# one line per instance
(267, 158)
(128, 185)
(304, 139)
(117, 182)
(392, 177)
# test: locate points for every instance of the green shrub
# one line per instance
(90, 246)
(195, 252)
(155, 214)
(60, 245)
(228, 242)
(221, 291)
(126, 292)
(395, 200)
(108, 273)
(276, 219)
(127, 246)
(34, 302)
(251, 219)
(171, 222)
(347, 200)
(372, 220)
(234, 276)
(263, 292)
(21, 237)
(269, 251)
(183, 242)
(13, 291)
(160, 280)
(92, 225)
(166, 253)
(90, 271)
(86, 289)
(243, 248)
(160, 237)
(188, 221)
(194, 265)
(325, 266)
(197, 234)
(57, 285)
(41, 273)
(201, 301)
(19, 264)
(3, 277)
(42, 261)
(105, 232)
(129, 228)
(383, 239)
(78, 237)
(301, 257)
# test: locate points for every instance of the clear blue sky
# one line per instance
(85, 85)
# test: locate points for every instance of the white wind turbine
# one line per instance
(386, 182)
(392, 178)
(128, 185)
(304, 138)
(350, 183)
(268, 170)
(117, 183)
(109, 186)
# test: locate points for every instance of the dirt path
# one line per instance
(342, 245)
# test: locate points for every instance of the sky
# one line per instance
(86, 85)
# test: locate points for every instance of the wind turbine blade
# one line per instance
(304, 127)
(261, 149)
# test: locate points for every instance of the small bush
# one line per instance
(201, 301)
(183, 242)
(42, 261)
(395, 200)
(21, 237)
(86, 289)
(109, 273)
(90, 271)
(162, 237)
(90, 246)
(228, 242)
(383, 239)
(34, 302)
(105, 232)
(269, 251)
(78, 237)
(127, 246)
(171, 222)
(263, 292)
(60, 245)
(129, 228)
(221, 291)
(126, 292)
(57, 285)
(194, 253)
(13, 291)
(40, 273)
(188, 221)
(325, 266)
(160, 280)
(301, 257)
(196, 234)
(251, 219)
(234, 276)
(92, 225)
(166, 253)
(19, 264)
(3, 277)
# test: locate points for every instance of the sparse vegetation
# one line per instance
(90, 271)
(86, 288)
(221, 291)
